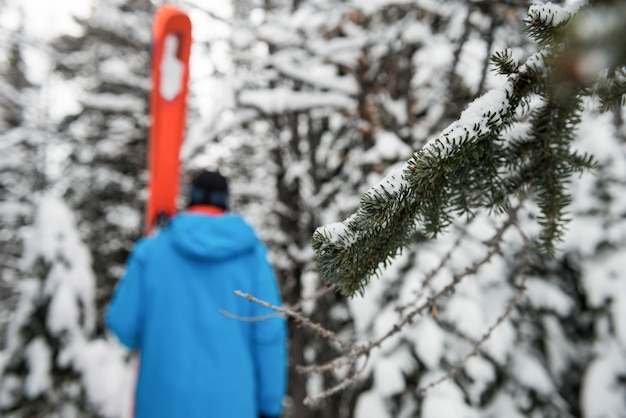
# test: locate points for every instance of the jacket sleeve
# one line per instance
(269, 341)
(125, 313)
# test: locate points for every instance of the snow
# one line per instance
(416, 32)
(344, 51)
(277, 34)
(124, 216)
(551, 13)
(482, 373)
(558, 349)
(63, 99)
(596, 136)
(63, 312)
(528, 370)
(58, 242)
(445, 400)
(601, 277)
(339, 234)
(472, 118)
(601, 396)
(432, 60)
(545, 295)
(394, 181)
(371, 5)
(172, 69)
(316, 74)
(471, 62)
(9, 390)
(384, 321)
(501, 342)
(279, 100)
(619, 309)
(429, 342)
(388, 147)
(107, 378)
(114, 102)
(388, 376)
(370, 405)
(39, 361)
(364, 309)
(504, 406)
(595, 240)
(70, 283)
(466, 315)
(44, 19)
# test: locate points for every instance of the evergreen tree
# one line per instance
(544, 350)
(55, 317)
(105, 176)
(16, 200)
(469, 166)
(21, 167)
(471, 319)
(343, 92)
(58, 360)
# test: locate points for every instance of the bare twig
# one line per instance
(433, 273)
(351, 358)
(321, 292)
(507, 312)
(355, 353)
(300, 318)
(295, 308)
(249, 318)
(312, 400)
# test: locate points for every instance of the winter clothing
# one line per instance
(176, 305)
(209, 188)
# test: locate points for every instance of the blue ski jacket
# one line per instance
(199, 356)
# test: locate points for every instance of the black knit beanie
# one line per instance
(208, 188)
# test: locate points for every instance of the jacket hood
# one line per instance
(212, 237)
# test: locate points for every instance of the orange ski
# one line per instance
(171, 46)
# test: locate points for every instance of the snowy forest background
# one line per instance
(305, 105)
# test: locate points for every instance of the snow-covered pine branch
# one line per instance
(470, 165)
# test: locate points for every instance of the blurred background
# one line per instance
(304, 105)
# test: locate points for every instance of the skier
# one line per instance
(176, 305)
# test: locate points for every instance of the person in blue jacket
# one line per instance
(176, 306)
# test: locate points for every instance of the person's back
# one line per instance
(176, 305)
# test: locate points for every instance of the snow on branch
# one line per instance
(472, 165)
(350, 251)
(280, 100)
(316, 75)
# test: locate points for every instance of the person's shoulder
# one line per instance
(239, 223)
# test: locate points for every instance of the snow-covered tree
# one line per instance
(334, 94)
(20, 168)
(52, 366)
(478, 354)
(105, 138)
(330, 98)
(339, 92)
(58, 360)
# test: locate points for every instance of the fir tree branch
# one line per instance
(425, 190)
(469, 166)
